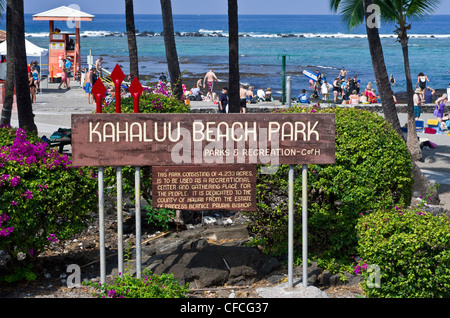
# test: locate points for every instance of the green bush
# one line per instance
(372, 171)
(160, 218)
(150, 286)
(43, 196)
(412, 251)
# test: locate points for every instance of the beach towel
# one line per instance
(429, 130)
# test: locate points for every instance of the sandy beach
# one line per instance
(54, 107)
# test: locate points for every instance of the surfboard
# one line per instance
(313, 76)
(310, 75)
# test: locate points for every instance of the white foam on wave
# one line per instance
(210, 31)
(214, 33)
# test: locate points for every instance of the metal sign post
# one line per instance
(291, 214)
(99, 90)
(117, 77)
(291, 227)
(136, 90)
(305, 223)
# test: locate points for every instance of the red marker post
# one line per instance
(136, 90)
(99, 92)
(117, 76)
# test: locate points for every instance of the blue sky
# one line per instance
(197, 6)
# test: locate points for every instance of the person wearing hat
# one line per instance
(418, 101)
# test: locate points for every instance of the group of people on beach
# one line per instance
(246, 95)
(343, 89)
(423, 94)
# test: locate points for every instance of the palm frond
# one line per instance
(352, 12)
(334, 5)
(419, 9)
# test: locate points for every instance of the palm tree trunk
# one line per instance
(422, 186)
(171, 49)
(412, 141)
(131, 35)
(9, 83)
(381, 75)
(24, 107)
(233, 43)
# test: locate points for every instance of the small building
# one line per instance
(63, 44)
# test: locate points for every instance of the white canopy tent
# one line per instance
(31, 49)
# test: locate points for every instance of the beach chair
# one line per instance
(420, 125)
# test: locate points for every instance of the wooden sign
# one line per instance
(224, 187)
(202, 139)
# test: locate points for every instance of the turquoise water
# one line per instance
(309, 42)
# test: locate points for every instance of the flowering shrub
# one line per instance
(42, 196)
(153, 100)
(150, 286)
(411, 248)
(372, 171)
(5, 231)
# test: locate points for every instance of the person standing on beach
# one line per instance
(208, 81)
(342, 74)
(418, 101)
(422, 80)
(63, 74)
(428, 95)
(336, 89)
(223, 100)
(88, 86)
(98, 66)
(243, 99)
(32, 87)
(68, 67)
(324, 90)
(440, 108)
(37, 78)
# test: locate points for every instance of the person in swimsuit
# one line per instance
(422, 83)
(243, 99)
(336, 88)
(32, 87)
(342, 74)
(354, 98)
(418, 101)
(208, 81)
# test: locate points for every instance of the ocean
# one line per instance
(309, 42)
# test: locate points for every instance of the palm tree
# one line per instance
(354, 12)
(233, 43)
(171, 49)
(24, 107)
(131, 35)
(9, 82)
(400, 12)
